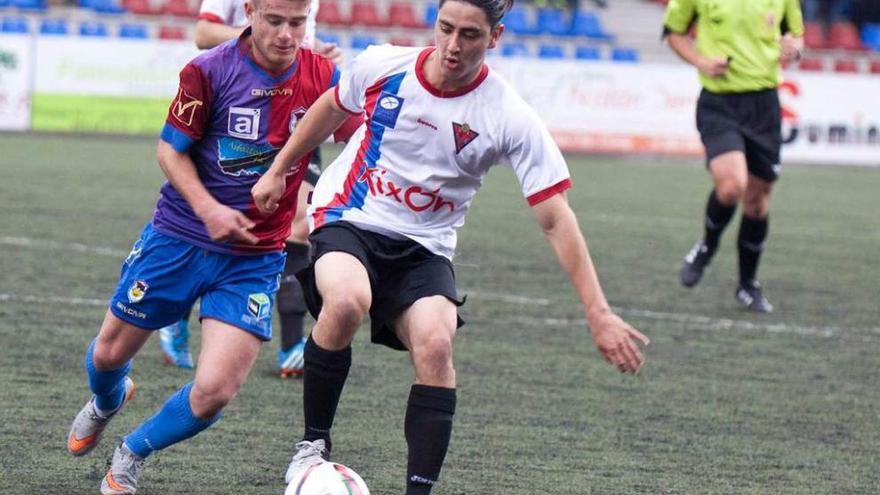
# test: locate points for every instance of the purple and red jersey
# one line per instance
(232, 117)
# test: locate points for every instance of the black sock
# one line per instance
(323, 379)
(428, 428)
(752, 233)
(290, 302)
(717, 218)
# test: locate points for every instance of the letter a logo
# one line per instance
(463, 135)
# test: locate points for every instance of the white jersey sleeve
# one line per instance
(229, 12)
(361, 72)
(533, 155)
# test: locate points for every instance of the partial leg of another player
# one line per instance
(730, 177)
(290, 301)
(174, 342)
(427, 329)
(752, 235)
(226, 357)
(345, 289)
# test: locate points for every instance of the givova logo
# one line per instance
(259, 306)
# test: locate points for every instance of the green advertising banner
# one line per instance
(104, 114)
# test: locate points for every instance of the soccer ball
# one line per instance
(327, 478)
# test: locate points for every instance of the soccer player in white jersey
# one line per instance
(220, 21)
(385, 214)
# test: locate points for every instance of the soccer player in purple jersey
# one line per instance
(236, 106)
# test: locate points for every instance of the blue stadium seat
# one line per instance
(14, 24)
(584, 52)
(553, 51)
(134, 31)
(330, 38)
(30, 5)
(108, 7)
(871, 36)
(517, 21)
(589, 25)
(514, 49)
(362, 41)
(4, 3)
(619, 54)
(53, 27)
(431, 14)
(91, 28)
(553, 21)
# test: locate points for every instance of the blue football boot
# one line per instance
(174, 340)
(290, 362)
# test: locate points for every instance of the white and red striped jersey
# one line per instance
(231, 13)
(413, 169)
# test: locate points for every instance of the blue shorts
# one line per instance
(163, 276)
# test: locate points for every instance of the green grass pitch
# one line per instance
(729, 402)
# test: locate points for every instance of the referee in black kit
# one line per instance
(738, 49)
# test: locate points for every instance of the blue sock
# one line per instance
(108, 386)
(173, 423)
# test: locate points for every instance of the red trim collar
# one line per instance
(420, 74)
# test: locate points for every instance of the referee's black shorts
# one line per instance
(401, 272)
(748, 122)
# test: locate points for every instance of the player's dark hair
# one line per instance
(494, 9)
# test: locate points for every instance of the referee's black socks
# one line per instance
(752, 233)
(324, 376)
(717, 217)
(428, 428)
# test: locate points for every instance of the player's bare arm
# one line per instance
(329, 50)
(222, 222)
(319, 122)
(615, 339)
(210, 34)
(683, 45)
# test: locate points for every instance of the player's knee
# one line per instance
(109, 354)
(756, 207)
(433, 357)
(346, 309)
(730, 192)
(208, 399)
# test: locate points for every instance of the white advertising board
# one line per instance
(15, 82)
(110, 66)
(606, 107)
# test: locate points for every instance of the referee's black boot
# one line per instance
(695, 262)
(749, 295)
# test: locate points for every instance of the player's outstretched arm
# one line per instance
(222, 222)
(210, 34)
(615, 338)
(319, 122)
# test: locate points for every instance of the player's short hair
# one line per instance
(494, 9)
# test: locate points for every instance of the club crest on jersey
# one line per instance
(185, 106)
(137, 291)
(387, 109)
(463, 135)
(244, 122)
(294, 118)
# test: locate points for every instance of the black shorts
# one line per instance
(748, 122)
(314, 170)
(401, 272)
